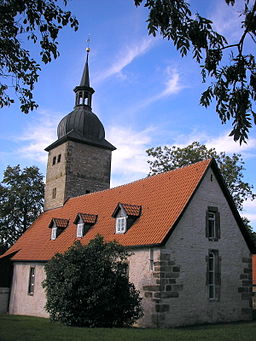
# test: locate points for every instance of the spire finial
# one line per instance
(88, 46)
(85, 81)
(84, 91)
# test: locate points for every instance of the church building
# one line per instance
(191, 256)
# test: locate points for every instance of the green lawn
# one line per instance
(19, 328)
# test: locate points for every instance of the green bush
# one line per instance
(88, 286)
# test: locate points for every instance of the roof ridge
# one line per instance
(142, 179)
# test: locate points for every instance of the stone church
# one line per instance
(191, 256)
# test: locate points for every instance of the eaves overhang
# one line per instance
(72, 136)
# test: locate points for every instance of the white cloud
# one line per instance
(222, 143)
(250, 203)
(225, 143)
(172, 86)
(129, 161)
(40, 133)
(249, 211)
(226, 19)
(126, 56)
(251, 217)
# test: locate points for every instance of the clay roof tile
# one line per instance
(163, 198)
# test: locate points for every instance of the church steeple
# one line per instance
(79, 161)
(83, 91)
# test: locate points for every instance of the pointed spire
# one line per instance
(84, 91)
(85, 80)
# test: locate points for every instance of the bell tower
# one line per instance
(79, 161)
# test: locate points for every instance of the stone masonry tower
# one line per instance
(79, 162)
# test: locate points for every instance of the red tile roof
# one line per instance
(163, 198)
(131, 210)
(61, 223)
(87, 218)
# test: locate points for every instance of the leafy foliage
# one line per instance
(88, 286)
(234, 84)
(231, 167)
(40, 22)
(21, 201)
(249, 228)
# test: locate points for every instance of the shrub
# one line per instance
(88, 286)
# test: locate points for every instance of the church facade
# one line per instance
(191, 256)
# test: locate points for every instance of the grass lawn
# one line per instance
(19, 328)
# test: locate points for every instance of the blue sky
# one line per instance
(145, 94)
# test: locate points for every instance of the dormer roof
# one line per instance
(86, 218)
(59, 222)
(130, 210)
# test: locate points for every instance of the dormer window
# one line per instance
(54, 233)
(121, 224)
(80, 230)
(57, 225)
(83, 222)
(125, 216)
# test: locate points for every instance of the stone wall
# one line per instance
(4, 300)
(82, 169)
(21, 302)
(56, 177)
(87, 169)
(172, 279)
(181, 297)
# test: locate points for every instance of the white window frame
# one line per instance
(212, 276)
(212, 220)
(54, 233)
(121, 224)
(80, 230)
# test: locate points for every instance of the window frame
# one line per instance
(31, 281)
(121, 224)
(80, 228)
(54, 232)
(212, 224)
(213, 275)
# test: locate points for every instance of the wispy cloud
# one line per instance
(172, 86)
(40, 133)
(126, 56)
(129, 161)
(225, 143)
(226, 19)
(222, 142)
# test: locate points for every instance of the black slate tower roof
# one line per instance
(82, 125)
